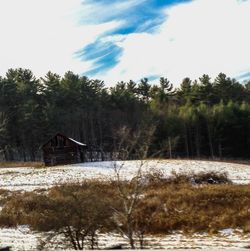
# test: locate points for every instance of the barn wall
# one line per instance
(61, 150)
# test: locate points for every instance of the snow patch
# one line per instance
(30, 178)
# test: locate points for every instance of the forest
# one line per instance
(202, 118)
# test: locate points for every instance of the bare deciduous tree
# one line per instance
(130, 191)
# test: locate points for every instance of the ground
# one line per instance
(31, 178)
(23, 239)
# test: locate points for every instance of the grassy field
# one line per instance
(167, 205)
(178, 203)
(4, 164)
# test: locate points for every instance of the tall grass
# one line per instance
(165, 205)
(4, 164)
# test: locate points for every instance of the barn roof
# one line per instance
(72, 140)
(77, 142)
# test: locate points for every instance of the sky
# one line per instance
(117, 40)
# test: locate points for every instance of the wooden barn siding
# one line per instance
(62, 155)
(62, 158)
(89, 156)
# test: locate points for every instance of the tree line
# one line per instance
(203, 118)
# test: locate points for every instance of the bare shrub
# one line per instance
(135, 208)
(76, 211)
(211, 178)
(157, 178)
(130, 145)
(194, 209)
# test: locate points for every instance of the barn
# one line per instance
(63, 150)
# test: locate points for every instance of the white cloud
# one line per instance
(98, 11)
(203, 36)
(43, 35)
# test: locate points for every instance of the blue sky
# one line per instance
(127, 39)
(143, 16)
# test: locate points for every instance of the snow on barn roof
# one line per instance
(62, 135)
(77, 142)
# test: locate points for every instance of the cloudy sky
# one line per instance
(116, 40)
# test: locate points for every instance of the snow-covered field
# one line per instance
(30, 178)
(22, 239)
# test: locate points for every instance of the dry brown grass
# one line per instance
(198, 208)
(226, 160)
(21, 164)
(166, 204)
(156, 178)
(6, 195)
